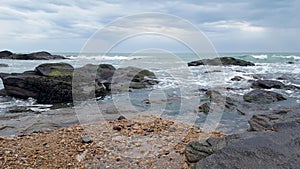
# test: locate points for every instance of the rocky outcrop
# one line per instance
(273, 143)
(52, 82)
(31, 56)
(223, 61)
(263, 97)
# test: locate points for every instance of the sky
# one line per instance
(231, 26)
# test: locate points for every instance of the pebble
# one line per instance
(118, 128)
(85, 139)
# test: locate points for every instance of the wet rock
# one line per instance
(267, 84)
(205, 107)
(3, 65)
(262, 97)
(237, 78)
(60, 82)
(223, 61)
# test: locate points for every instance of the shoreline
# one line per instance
(142, 142)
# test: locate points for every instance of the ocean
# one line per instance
(177, 92)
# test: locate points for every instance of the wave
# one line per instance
(99, 57)
(287, 57)
(260, 56)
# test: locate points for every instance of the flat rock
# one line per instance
(263, 97)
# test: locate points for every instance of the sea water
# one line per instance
(178, 86)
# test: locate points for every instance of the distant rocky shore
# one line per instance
(31, 56)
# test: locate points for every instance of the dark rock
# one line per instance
(267, 84)
(55, 69)
(56, 89)
(197, 150)
(85, 139)
(290, 62)
(263, 97)
(148, 130)
(276, 148)
(3, 65)
(121, 118)
(213, 71)
(205, 107)
(268, 121)
(118, 128)
(5, 54)
(31, 56)
(55, 83)
(3, 93)
(223, 61)
(237, 78)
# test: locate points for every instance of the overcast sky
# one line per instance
(231, 26)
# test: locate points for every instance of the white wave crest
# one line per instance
(260, 56)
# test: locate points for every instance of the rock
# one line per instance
(205, 107)
(223, 61)
(237, 78)
(267, 84)
(262, 122)
(121, 118)
(5, 54)
(55, 69)
(56, 89)
(197, 150)
(118, 128)
(290, 62)
(54, 83)
(3, 65)
(31, 56)
(85, 139)
(277, 148)
(262, 97)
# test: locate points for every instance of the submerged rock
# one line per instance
(263, 97)
(223, 61)
(3, 65)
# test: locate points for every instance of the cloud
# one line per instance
(44, 22)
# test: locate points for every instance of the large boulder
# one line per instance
(223, 61)
(55, 82)
(46, 89)
(263, 97)
(31, 56)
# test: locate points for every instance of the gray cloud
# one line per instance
(258, 25)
